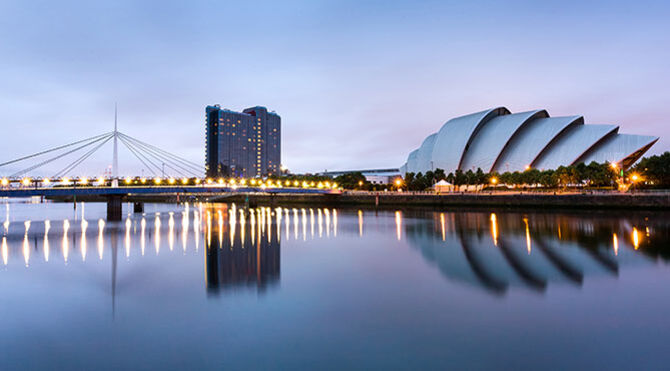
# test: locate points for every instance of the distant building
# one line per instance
(242, 144)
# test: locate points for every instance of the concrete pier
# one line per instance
(138, 207)
(114, 208)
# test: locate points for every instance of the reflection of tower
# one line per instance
(114, 242)
(238, 258)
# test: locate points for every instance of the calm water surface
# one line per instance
(210, 286)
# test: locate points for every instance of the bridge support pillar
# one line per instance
(114, 208)
(138, 207)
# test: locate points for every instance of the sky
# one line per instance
(358, 84)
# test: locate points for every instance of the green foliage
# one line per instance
(353, 181)
(655, 170)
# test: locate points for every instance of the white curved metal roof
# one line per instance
(571, 145)
(530, 140)
(412, 163)
(618, 149)
(492, 138)
(425, 155)
(454, 137)
(496, 140)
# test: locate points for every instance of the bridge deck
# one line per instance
(116, 191)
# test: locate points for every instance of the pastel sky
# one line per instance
(358, 84)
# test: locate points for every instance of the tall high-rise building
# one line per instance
(242, 144)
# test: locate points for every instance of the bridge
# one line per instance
(169, 175)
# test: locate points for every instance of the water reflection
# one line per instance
(243, 259)
(533, 250)
(493, 251)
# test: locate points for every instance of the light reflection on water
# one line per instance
(559, 240)
(362, 257)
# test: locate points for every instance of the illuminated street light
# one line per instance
(614, 165)
(46, 181)
(66, 180)
(494, 180)
(184, 181)
(398, 182)
(5, 182)
(128, 180)
(26, 181)
(171, 180)
(197, 180)
(143, 180)
(83, 180)
(157, 180)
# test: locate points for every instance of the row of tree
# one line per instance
(591, 175)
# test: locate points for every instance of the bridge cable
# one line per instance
(81, 159)
(159, 159)
(109, 135)
(193, 164)
(129, 145)
(169, 162)
(166, 160)
(166, 153)
(136, 155)
(166, 156)
(54, 149)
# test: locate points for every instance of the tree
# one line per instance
(655, 170)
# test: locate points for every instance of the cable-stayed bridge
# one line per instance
(169, 174)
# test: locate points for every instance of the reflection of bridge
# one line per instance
(115, 195)
(494, 251)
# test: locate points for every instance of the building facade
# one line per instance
(242, 144)
(499, 140)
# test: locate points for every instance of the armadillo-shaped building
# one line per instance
(498, 140)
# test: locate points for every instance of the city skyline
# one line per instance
(357, 85)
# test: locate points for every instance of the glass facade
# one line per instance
(242, 144)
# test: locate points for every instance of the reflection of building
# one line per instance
(246, 255)
(243, 144)
(500, 251)
(497, 140)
